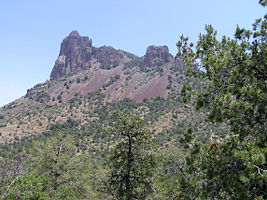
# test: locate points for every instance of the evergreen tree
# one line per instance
(132, 161)
(234, 90)
(69, 174)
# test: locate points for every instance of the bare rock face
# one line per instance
(75, 54)
(107, 55)
(156, 56)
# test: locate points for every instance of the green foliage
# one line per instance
(234, 86)
(109, 66)
(56, 153)
(35, 186)
(3, 125)
(42, 97)
(236, 78)
(169, 86)
(132, 163)
(78, 80)
(134, 62)
(223, 171)
(30, 186)
(263, 2)
(105, 66)
(112, 80)
(56, 159)
(10, 170)
(168, 174)
(85, 78)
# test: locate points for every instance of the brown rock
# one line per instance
(107, 55)
(75, 54)
(156, 56)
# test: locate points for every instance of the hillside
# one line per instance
(110, 125)
(86, 81)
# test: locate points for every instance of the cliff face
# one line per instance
(156, 56)
(75, 54)
(101, 76)
(107, 55)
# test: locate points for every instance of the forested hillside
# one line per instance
(112, 125)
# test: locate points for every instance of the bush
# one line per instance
(112, 80)
(169, 86)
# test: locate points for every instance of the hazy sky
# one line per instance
(31, 30)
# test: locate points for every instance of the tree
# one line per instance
(168, 174)
(234, 90)
(69, 174)
(30, 186)
(132, 161)
(10, 171)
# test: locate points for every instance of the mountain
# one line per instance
(86, 68)
(78, 53)
(86, 81)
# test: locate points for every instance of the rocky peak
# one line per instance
(156, 56)
(74, 34)
(107, 55)
(75, 54)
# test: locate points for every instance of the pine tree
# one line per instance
(132, 161)
(234, 90)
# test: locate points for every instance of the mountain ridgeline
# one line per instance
(111, 125)
(86, 81)
(78, 53)
(139, 77)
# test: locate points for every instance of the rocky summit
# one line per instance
(75, 54)
(105, 74)
(156, 56)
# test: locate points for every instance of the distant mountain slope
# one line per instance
(82, 68)
(85, 79)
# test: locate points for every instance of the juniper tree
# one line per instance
(132, 161)
(69, 173)
(234, 89)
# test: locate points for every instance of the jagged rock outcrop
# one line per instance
(33, 90)
(107, 55)
(156, 56)
(75, 54)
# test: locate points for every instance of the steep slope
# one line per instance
(75, 54)
(86, 81)
(82, 68)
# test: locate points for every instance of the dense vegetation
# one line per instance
(216, 152)
(235, 91)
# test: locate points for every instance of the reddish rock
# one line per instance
(75, 54)
(107, 55)
(156, 56)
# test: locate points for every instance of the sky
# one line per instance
(31, 31)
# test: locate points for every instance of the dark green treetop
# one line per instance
(234, 90)
(132, 162)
